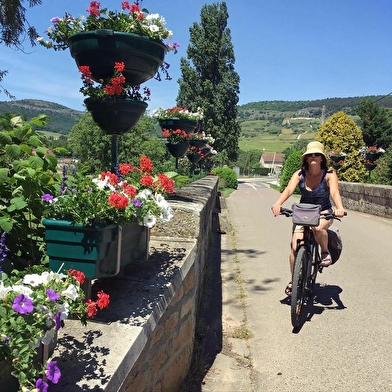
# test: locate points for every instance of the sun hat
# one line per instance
(314, 148)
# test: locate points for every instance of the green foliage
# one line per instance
(375, 124)
(340, 133)
(228, 175)
(209, 81)
(248, 161)
(291, 164)
(27, 170)
(382, 174)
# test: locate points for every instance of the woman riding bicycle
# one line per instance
(316, 184)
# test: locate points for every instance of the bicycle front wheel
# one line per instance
(299, 294)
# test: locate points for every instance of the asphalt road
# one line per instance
(346, 344)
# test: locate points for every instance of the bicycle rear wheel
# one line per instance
(299, 294)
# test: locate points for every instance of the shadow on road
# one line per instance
(326, 297)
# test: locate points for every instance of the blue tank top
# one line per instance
(320, 195)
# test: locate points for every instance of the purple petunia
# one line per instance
(41, 385)
(52, 295)
(136, 203)
(22, 304)
(53, 372)
(47, 197)
(58, 320)
(3, 250)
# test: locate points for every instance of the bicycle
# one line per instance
(306, 266)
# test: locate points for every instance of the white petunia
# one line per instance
(149, 220)
(33, 280)
(71, 292)
(154, 28)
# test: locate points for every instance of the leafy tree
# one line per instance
(292, 163)
(209, 81)
(248, 160)
(14, 25)
(93, 147)
(341, 133)
(382, 174)
(375, 124)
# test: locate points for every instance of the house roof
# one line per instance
(268, 157)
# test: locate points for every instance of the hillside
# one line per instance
(272, 126)
(62, 119)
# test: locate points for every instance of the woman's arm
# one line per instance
(333, 184)
(288, 191)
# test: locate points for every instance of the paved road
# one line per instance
(347, 343)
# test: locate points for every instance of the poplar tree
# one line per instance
(208, 79)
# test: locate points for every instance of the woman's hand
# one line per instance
(339, 213)
(276, 209)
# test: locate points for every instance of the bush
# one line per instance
(291, 164)
(228, 175)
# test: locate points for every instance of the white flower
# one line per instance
(49, 336)
(149, 220)
(4, 290)
(71, 292)
(64, 309)
(154, 28)
(32, 280)
(144, 194)
(20, 289)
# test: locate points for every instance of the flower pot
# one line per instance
(100, 49)
(188, 126)
(116, 117)
(197, 143)
(370, 166)
(178, 150)
(373, 156)
(94, 250)
(337, 158)
(194, 158)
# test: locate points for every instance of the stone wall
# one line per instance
(370, 198)
(144, 340)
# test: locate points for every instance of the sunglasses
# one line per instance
(316, 154)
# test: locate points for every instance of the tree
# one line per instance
(340, 133)
(292, 163)
(14, 25)
(375, 124)
(92, 146)
(209, 81)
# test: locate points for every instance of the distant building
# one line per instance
(272, 160)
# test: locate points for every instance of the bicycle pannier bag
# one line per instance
(306, 214)
(335, 245)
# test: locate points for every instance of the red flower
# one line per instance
(125, 5)
(93, 10)
(166, 183)
(78, 275)
(125, 168)
(165, 132)
(112, 178)
(103, 300)
(130, 190)
(146, 181)
(145, 164)
(91, 309)
(119, 67)
(85, 70)
(118, 201)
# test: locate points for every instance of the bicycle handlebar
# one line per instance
(325, 215)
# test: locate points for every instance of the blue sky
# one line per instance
(284, 50)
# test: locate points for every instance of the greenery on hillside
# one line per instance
(61, 118)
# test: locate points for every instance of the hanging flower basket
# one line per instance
(116, 117)
(188, 126)
(194, 158)
(370, 166)
(197, 143)
(100, 49)
(178, 150)
(373, 156)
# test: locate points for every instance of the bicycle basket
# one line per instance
(305, 214)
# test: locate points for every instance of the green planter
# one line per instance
(178, 150)
(116, 117)
(188, 126)
(100, 49)
(94, 250)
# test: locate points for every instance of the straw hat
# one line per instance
(314, 148)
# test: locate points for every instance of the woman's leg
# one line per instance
(321, 237)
